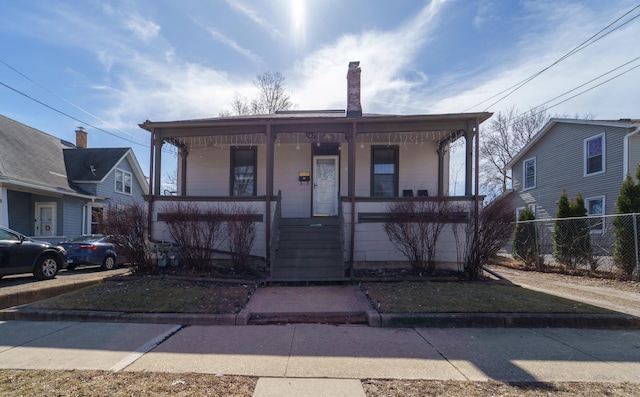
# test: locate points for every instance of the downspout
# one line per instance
(269, 192)
(625, 154)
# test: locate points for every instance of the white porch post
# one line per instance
(4, 207)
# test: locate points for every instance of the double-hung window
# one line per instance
(123, 181)
(594, 155)
(529, 173)
(384, 171)
(243, 171)
(595, 206)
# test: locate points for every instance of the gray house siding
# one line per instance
(20, 212)
(107, 187)
(88, 187)
(560, 165)
(72, 208)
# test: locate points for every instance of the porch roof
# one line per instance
(312, 121)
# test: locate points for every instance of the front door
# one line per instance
(325, 185)
(45, 222)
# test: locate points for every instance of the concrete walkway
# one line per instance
(316, 359)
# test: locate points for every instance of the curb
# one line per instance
(371, 318)
(509, 320)
(33, 295)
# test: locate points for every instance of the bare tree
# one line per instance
(508, 132)
(271, 97)
(271, 94)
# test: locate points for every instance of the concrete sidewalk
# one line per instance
(290, 358)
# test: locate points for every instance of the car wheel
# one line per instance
(109, 263)
(46, 268)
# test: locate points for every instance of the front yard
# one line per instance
(169, 295)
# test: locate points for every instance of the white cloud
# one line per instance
(253, 57)
(144, 29)
(252, 14)
(385, 58)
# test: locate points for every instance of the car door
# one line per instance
(13, 255)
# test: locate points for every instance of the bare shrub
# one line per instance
(129, 227)
(495, 227)
(414, 226)
(241, 234)
(196, 232)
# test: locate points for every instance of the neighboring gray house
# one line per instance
(51, 189)
(591, 157)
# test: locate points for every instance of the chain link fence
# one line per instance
(605, 242)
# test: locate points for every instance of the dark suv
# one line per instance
(20, 254)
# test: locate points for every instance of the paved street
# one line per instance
(325, 351)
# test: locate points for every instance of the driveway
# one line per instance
(623, 297)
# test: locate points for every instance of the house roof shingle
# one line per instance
(30, 156)
(91, 164)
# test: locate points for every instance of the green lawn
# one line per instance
(469, 297)
(155, 295)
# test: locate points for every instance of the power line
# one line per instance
(64, 99)
(70, 116)
(576, 49)
(590, 88)
(591, 81)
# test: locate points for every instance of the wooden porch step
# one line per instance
(309, 249)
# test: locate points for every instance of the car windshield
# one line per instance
(84, 239)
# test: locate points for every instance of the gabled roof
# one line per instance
(622, 123)
(30, 157)
(92, 165)
(34, 159)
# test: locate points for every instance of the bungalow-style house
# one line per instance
(318, 182)
(52, 190)
(590, 157)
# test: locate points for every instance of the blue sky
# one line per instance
(127, 61)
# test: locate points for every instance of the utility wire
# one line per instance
(588, 89)
(64, 99)
(576, 49)
(590, 81)
(70, 116)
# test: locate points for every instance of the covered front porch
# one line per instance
(301, 165)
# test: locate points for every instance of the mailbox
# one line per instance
(304, 176)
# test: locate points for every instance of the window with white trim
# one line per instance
(594, 155)
(595, 206)
(529, 173)
(123, 181)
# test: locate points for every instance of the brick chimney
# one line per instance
(354, 109)
(81, 138)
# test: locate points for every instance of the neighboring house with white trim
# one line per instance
(333, 169)
(51, 189)
(590, 157)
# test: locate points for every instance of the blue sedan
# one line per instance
(91, 250)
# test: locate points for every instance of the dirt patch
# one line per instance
(103, 383)
(418, 388)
